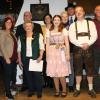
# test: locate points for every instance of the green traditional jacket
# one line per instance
(35, 47)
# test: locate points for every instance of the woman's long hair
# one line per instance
(5, 20)
(60, 27)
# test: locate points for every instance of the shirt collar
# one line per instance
(73, 17)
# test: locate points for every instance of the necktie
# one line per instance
(71, 20)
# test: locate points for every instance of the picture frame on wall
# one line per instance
(39, 11)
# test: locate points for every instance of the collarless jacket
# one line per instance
(6, 44)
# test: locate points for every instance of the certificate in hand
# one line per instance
(34, 66)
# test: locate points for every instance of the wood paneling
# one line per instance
(88, 5)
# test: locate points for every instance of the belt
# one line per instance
(57, 46)
(83, 34)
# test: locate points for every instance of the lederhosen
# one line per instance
(83, 56)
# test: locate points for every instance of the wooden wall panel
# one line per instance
(88, 5)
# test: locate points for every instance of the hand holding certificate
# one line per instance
(35, 66)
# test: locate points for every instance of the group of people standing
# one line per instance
(68, 41)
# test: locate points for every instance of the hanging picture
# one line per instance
(38, 11)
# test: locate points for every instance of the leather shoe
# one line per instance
(30, 94)
(92, 93)
(63, 94)
(57, 94)
(76, 93)
(39, 95)
(71, 89)
(10, 96)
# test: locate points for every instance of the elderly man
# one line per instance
(27, 16)
(83, 34)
